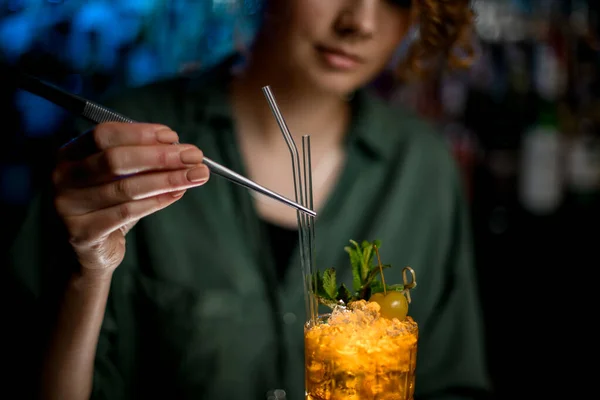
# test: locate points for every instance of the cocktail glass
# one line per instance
(354, 353)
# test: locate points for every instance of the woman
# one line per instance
(207, 301)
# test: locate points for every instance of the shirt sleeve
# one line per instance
(38, 263)
(456, 365)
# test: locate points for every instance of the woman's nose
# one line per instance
(358, 18)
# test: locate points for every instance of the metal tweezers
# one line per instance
(99, 114)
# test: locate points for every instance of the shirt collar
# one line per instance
(370, 127)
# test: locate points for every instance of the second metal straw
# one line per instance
(309, 223)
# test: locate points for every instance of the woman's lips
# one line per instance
(339, 59)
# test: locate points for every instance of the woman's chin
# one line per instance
(336, 84)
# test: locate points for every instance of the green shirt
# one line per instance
(196, 310)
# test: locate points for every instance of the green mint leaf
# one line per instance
(367, 260)
(355, 262)
(365, 280)
(376, 287)
(329, 283)
(327, 302)
(357, 247)
(319, 289)
(375, 271)
(398, 288)
(344, 294)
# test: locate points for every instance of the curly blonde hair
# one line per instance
(445, 37)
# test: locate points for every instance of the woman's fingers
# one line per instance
(116, 162)
(88, 230)
(110, 177)
(116, 134)
(137, 187)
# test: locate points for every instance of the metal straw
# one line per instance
(301, 193)
(309, 222)
(290, 142)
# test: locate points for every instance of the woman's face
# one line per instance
(336, 45)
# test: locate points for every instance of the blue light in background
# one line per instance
(142, 67)
(95, 36)
(144, 40)
(39, 117)
(104, 36)
(15, 184)
(141, 7)
(17, 34)
(15, 5)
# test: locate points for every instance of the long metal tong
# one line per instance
(99, 114)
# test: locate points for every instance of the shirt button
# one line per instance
(289, 318)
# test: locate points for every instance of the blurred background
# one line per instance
(523, 122)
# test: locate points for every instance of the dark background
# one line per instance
(535, 197)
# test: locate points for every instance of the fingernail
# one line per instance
(167, 136)
(178, 194)
(191, 156)
(197, 174)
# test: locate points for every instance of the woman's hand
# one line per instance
(113, 175)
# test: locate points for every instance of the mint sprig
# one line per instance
(364, 277)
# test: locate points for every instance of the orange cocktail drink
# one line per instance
(366, 347)
(355, 353)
